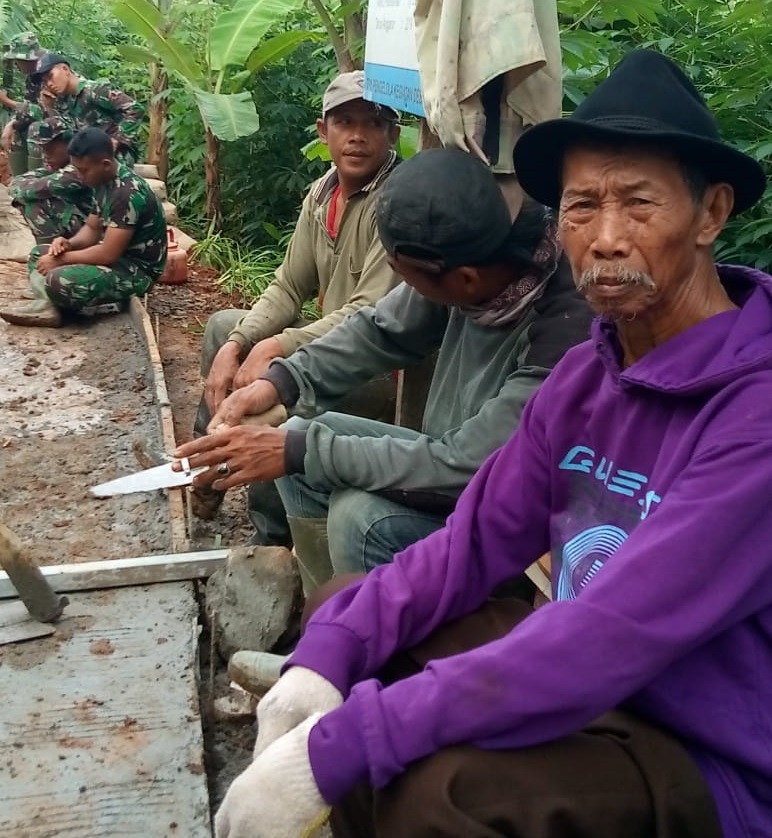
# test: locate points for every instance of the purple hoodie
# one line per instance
(652, 485)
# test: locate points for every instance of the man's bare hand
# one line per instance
(47, 263)
(221, 374)
(256, 363)
(46, 100)
(248, 401)
(6, 138)
(58, 246)
(5, 100)
(254, 452)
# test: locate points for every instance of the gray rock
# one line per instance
(255, 600)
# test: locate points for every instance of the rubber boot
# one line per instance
(40, 312)
(35, 313)
(17, 161)
(312, 551)
(36, 290)
(256, 672)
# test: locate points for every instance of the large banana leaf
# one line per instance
(279, 47)
(238, 30)
(135, 54)
(228, 115)
(144, 19)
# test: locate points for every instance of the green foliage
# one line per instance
(263, 176)
(86, 31)
(724, 47)
(239, 30)
(247, 272)
(233, 34)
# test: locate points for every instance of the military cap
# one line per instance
(52, 128)
(47, 61)
(23, 47)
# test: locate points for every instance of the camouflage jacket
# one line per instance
(97, 105)
(55, 203)
(127, 201)
(34, 107)
(43, 184)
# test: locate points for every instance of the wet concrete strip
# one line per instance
(101, 726)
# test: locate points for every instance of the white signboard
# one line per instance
(391, 61)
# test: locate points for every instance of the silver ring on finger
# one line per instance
(223, 469)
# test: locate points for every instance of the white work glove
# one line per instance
(277, 796)
(292, 699)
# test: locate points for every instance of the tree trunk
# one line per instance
(212, 170)
(158, 142)
(343, 57)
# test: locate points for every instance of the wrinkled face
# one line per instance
(55, 154)
(94, 171)
(630, 227)
(57, 79)
(359, 139)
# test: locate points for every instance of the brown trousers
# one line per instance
(619, 777)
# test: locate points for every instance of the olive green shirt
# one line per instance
(346, 273)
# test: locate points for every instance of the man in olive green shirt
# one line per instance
(334, 254)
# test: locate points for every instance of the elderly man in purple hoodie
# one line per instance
(639, 701)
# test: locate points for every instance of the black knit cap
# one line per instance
(445, 205)
(648, 99)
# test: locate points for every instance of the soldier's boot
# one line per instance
(35, 313)
(256, 672)
(17, 162)
(36, 290)
(312, 551)
(40, 312)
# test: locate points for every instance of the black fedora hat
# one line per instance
(648, 99)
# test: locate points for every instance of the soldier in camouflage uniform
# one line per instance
(88, 269)
(53, 199)
(24, 51)
(93, 104)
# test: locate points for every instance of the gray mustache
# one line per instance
(624, 276)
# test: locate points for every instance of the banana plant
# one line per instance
(235, 43)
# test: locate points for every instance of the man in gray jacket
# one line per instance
(498, 303)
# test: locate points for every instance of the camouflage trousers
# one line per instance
(51, 217)
(23, 152)
(74, 287)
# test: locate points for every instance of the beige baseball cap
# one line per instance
(349, 86)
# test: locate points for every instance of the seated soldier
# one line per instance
(497, 301)
(91, 269)
(92, 104)
(54, 200)
(334, 254)
(24, 51)
(638, 703)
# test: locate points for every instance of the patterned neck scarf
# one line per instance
(516, 299)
